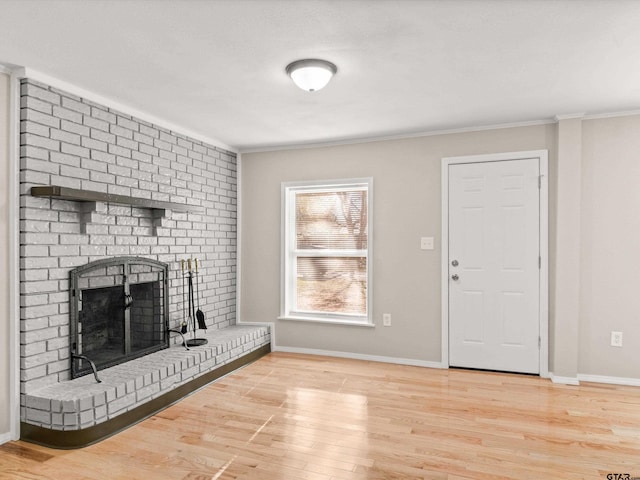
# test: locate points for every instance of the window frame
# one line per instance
(289, 253)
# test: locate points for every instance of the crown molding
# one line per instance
(9, 68)
(569, 116)
(30, 73)
(596, 116)
(400, 136)
(624, 113)
(24, 72)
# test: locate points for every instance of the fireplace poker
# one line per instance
(194, 342)
(192, 318)
(199, 313)
(183, 327)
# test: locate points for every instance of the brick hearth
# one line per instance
(82, 402)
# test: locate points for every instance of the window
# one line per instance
(326, 248)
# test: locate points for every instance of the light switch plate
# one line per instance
(426, 243)
(616, 339)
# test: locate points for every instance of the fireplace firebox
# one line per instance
(119, 311)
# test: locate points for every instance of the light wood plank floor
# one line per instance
(315, 418)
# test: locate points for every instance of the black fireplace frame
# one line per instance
(82, 365)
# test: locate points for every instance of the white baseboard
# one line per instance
(584, 377)
(633, 382)
(5, 437)
(272, 330)
(564, 380)
(361, 356)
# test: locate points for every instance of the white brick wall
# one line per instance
(68, 141)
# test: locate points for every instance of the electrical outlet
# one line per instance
(426, 243)
(386, 319)
(616, 339)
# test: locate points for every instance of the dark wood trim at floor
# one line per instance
(70, 439)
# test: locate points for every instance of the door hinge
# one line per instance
(539, 342)
(539, 262)
(539, 182)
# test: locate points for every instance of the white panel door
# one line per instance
(493, 265)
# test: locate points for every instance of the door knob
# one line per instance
(454, 263)
(454, 276)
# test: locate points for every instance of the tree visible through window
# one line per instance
(326, 251)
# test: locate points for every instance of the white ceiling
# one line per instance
(216, 67)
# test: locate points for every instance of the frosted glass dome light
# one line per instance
(311, 74)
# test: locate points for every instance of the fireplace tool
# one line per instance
(202, 324)
(184, 326)
(93, 365)
(194, 342)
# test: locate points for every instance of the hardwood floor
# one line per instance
(296, 417)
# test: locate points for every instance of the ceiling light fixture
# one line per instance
(311, 74)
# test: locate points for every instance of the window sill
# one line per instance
(330, 321)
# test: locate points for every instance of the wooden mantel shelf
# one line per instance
(64, 193)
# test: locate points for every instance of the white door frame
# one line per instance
(542, 156)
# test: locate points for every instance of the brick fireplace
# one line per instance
(70, 142)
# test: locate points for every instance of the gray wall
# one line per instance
(610, 247)
(407, 205)
(594, 169)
